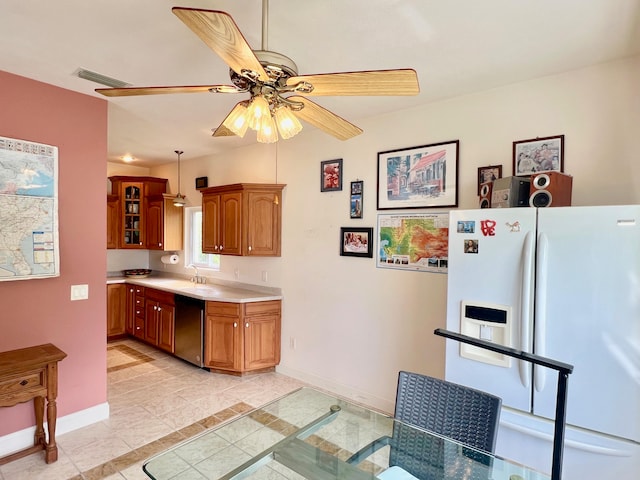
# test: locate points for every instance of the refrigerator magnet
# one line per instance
(471, 246)
(466, 226)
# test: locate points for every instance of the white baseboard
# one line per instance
(16, 441)
(358, 396)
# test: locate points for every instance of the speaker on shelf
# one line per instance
(510, 192)
(485, 194)
(550, 189)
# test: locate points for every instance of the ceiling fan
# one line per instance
(278, 95)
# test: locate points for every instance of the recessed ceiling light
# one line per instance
(128, 158)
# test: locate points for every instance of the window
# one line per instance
(193, 241)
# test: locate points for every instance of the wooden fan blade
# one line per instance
(325, 120)
(132, 91)
(222, 35)
(375, 82)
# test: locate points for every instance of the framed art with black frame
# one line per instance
(488, 174)
(542, 154)
(355, 202)
(419, 177)
(356, 242)
(331, 175)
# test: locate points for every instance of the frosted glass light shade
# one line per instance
(267, 133)
(238, 120)
(288, 124)
(258, 108)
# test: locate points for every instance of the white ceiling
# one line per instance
(456, 47)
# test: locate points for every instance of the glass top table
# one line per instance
(309, 434)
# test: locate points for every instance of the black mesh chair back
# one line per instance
(455, 411)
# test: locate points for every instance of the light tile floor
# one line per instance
(155, 402)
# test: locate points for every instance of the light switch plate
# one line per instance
(79, 292)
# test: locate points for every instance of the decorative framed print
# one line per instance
(331, 175)
(538, 155)
(355, 202)
(419, 177)
(488, 174)
(356, 242)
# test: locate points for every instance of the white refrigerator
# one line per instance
(563, 283)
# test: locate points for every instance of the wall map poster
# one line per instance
(29, 246)
(418, 242)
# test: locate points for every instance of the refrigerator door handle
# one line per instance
(578, 445)
(525, 308)
(541, 308)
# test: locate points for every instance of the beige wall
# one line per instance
(355, 325)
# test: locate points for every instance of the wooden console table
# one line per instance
(32, 373)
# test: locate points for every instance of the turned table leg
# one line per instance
(51, 450)
(38, 406)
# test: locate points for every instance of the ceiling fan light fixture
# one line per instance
(258, 109)
(288, 125)
(238, 120)
(267, 133)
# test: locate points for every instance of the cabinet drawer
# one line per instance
(22, 386)
(139, 290)
(223, 308)
(160, 296)
(262, 308)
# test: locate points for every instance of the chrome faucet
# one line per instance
(197, 278)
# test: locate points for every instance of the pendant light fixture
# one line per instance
(179, 200)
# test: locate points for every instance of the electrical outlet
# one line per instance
(236, 273)
(292, 343)
(79, 292)
(264, 276)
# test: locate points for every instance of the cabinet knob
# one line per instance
(160, 244)
(216, 247)
(249, 247)
(220, 247)
(235, 324)
(140, 243)
(159, 309)
(131, 290)
(23, 382)
(137, 311)
(155, 307)
(138, 328)
(246, 325)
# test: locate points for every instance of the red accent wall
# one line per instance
(40, 311)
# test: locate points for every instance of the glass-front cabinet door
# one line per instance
(133, 215)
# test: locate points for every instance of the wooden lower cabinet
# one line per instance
(116, 307)
(159, 321)
(242, 337)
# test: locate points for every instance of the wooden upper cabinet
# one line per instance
(164, 223)
(113, 220)
(242, 219)
(133, 195)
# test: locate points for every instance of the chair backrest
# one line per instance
(455, 411)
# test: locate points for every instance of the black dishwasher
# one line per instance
(189, 331)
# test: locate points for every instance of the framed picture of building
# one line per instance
(419, 177)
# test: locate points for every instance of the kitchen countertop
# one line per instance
(212, 292)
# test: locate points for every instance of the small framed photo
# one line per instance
(488, 174)
(355, 203)
(356, 242)
(331, 175)
(544, 154)
(419, 177)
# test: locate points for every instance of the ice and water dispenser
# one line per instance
(486, 321)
